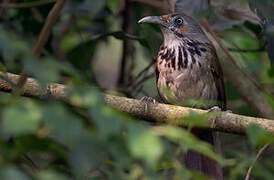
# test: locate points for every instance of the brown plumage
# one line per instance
(188, 71)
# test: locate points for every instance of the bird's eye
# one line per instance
(179, 21)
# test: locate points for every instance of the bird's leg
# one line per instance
(147, 100)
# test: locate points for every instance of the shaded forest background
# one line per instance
(96, 47)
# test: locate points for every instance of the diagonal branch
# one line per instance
(245, 85)
(43, 37)
(44, 34)
(225, 122)
(261, 150)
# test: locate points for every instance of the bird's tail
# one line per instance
(201, 163)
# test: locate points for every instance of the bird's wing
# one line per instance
(217, 73)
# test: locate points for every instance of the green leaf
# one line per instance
(197, 120)
(119, 152)
(11, 47)
(5, 78)
(145, 145)
(11, 172)
(85, 156)
(46, 70)
(107, 120)
(51, 175)
(188, 141)
(85, 96)
(80, 56)
(69, 41)
(258, 136)
(2, 67)
(21, 118)
(57, 118)
(270, 71)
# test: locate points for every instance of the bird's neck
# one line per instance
(172, 41)
(182, 53)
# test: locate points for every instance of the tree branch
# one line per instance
(261, 150)
(44, 34)
(225, 122)
(43, 37)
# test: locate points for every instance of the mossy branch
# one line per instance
(224, 122)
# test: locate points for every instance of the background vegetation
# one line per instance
(97, 46)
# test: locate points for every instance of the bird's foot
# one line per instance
(214, 108)
(218, 109)
(148, 100)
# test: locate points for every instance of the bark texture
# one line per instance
(224, 122)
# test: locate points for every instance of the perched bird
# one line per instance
(188, 70)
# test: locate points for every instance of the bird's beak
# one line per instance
(152, 20)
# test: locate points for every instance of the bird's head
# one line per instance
(176, 27)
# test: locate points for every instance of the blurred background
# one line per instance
(97, 46)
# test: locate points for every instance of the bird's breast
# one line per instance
(184, 73)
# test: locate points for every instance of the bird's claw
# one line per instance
(218, 109)
(148, 100)
(214, 108)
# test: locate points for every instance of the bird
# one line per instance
(188, 73)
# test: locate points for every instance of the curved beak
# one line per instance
(152, 20)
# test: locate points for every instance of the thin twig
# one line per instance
(261, 49)
(32, 162)
(237, 11)
(145, 69)
(261, 150)
(231, 58)
(51, 19)
(43, 37)
(26, 4)
(141, 81)
(139, 90)
(244, 85)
